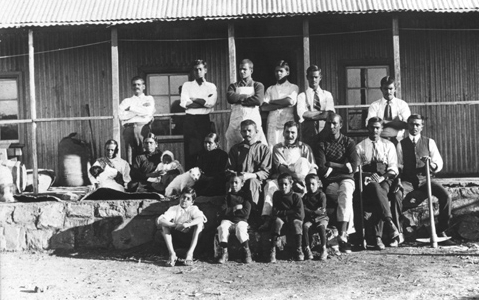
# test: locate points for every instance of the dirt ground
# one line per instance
(407, 272)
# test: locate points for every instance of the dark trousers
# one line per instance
(133, 134)
(420, 194)
(295, 225)
(375, 197)
(195, 129)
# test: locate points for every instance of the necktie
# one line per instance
(388, 115)
(317, 106)
(414, 142)
(375, 153)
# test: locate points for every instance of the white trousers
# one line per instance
(240, 228)
(342, 193)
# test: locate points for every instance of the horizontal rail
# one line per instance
(22, 121)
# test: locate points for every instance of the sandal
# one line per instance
(171, 262)
(188, 262)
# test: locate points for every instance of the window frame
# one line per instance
(17, 76)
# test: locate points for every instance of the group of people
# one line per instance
(299, 177)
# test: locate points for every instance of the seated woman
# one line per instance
(144, 165)
(110, 171)
(212, 161)
(166, 171)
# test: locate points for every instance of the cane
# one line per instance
(361, 208)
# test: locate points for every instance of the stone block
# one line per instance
(81, 210)
(109, 209)
(14, 238)
(154, 208)
(132, 208)
(26, 214)
(465, 206)
(51, 215)
(72, 222)
(6, 213)
(97, 234)
(38, 239)
(63, 239)
(469, 228)
(470, 192)
(133, 232)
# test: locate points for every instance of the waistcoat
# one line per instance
(414, 168)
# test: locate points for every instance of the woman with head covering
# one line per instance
(144, 165)
(166, 171)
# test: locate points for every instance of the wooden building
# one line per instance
(62, 61)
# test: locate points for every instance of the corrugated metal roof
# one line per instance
(25, 13)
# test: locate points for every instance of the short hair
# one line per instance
(137, 78)
(290, 124)
(95, 171)
(189, 191)
(248, 122)
(112, 142)
(150, 135)
(247, 61)
(198, 62)
(313, 68)
(237, 175)
(375, 120)
(283, 64)
(312, 176)
(416, 117)
(214, 136)
(387, 80)
(285, 176)
(332, 115)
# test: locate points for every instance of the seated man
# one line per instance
(292, 157)
(183, 221)
(378, 158)
(414, 151)
(250, 158)
(337, 161)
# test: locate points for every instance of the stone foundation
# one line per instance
(123, 224)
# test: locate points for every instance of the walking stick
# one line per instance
(433, 239)
(362, 232)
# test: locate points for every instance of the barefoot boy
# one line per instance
(234, 215)
(182, 222)
(315, 217)
(287, 210)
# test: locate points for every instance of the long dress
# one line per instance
(213, 180)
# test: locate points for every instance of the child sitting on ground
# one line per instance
(182, 223)
(234, 215)
(316, 218)
(287, 210)
(165, 172)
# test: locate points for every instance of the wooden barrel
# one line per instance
(73, 160)
(18, 175)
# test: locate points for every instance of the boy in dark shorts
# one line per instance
(287, 211)
(315, 216)
(234, 214)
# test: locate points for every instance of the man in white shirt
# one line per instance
(185, 221)
(392, 110)
(198, 97)
(313, 106)
(136, 114)
(279, 100)
(378, 159)
(414, 152)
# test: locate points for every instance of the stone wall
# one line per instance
(123, 224)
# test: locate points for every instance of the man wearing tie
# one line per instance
(313, 106)
(198, 98)
(392, 110)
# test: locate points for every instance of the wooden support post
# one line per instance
(306, 53)
(33, 109)
(397, 57)
(115, 87)
(232, 51)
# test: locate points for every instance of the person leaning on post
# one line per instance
(136, 114)
(182, 223)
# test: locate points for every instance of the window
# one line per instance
(9, 101)
(363, 87)
(165, 89)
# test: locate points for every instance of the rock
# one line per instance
(6, 214)
(154, 208)
(131, 208)
(14, 238)
(133, 232)
(97, 234)
(26, 214)
(71, 222)
(51, 215)
(63, 239)
(109, 209)
(38, 239)
(83, 210)
(469, 228)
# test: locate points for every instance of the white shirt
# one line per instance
(277, 118)
(206, 91)
(385, 152)
(178, 215)
(306, 103)
(433, 153)
(140, 109)
(399, 108)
